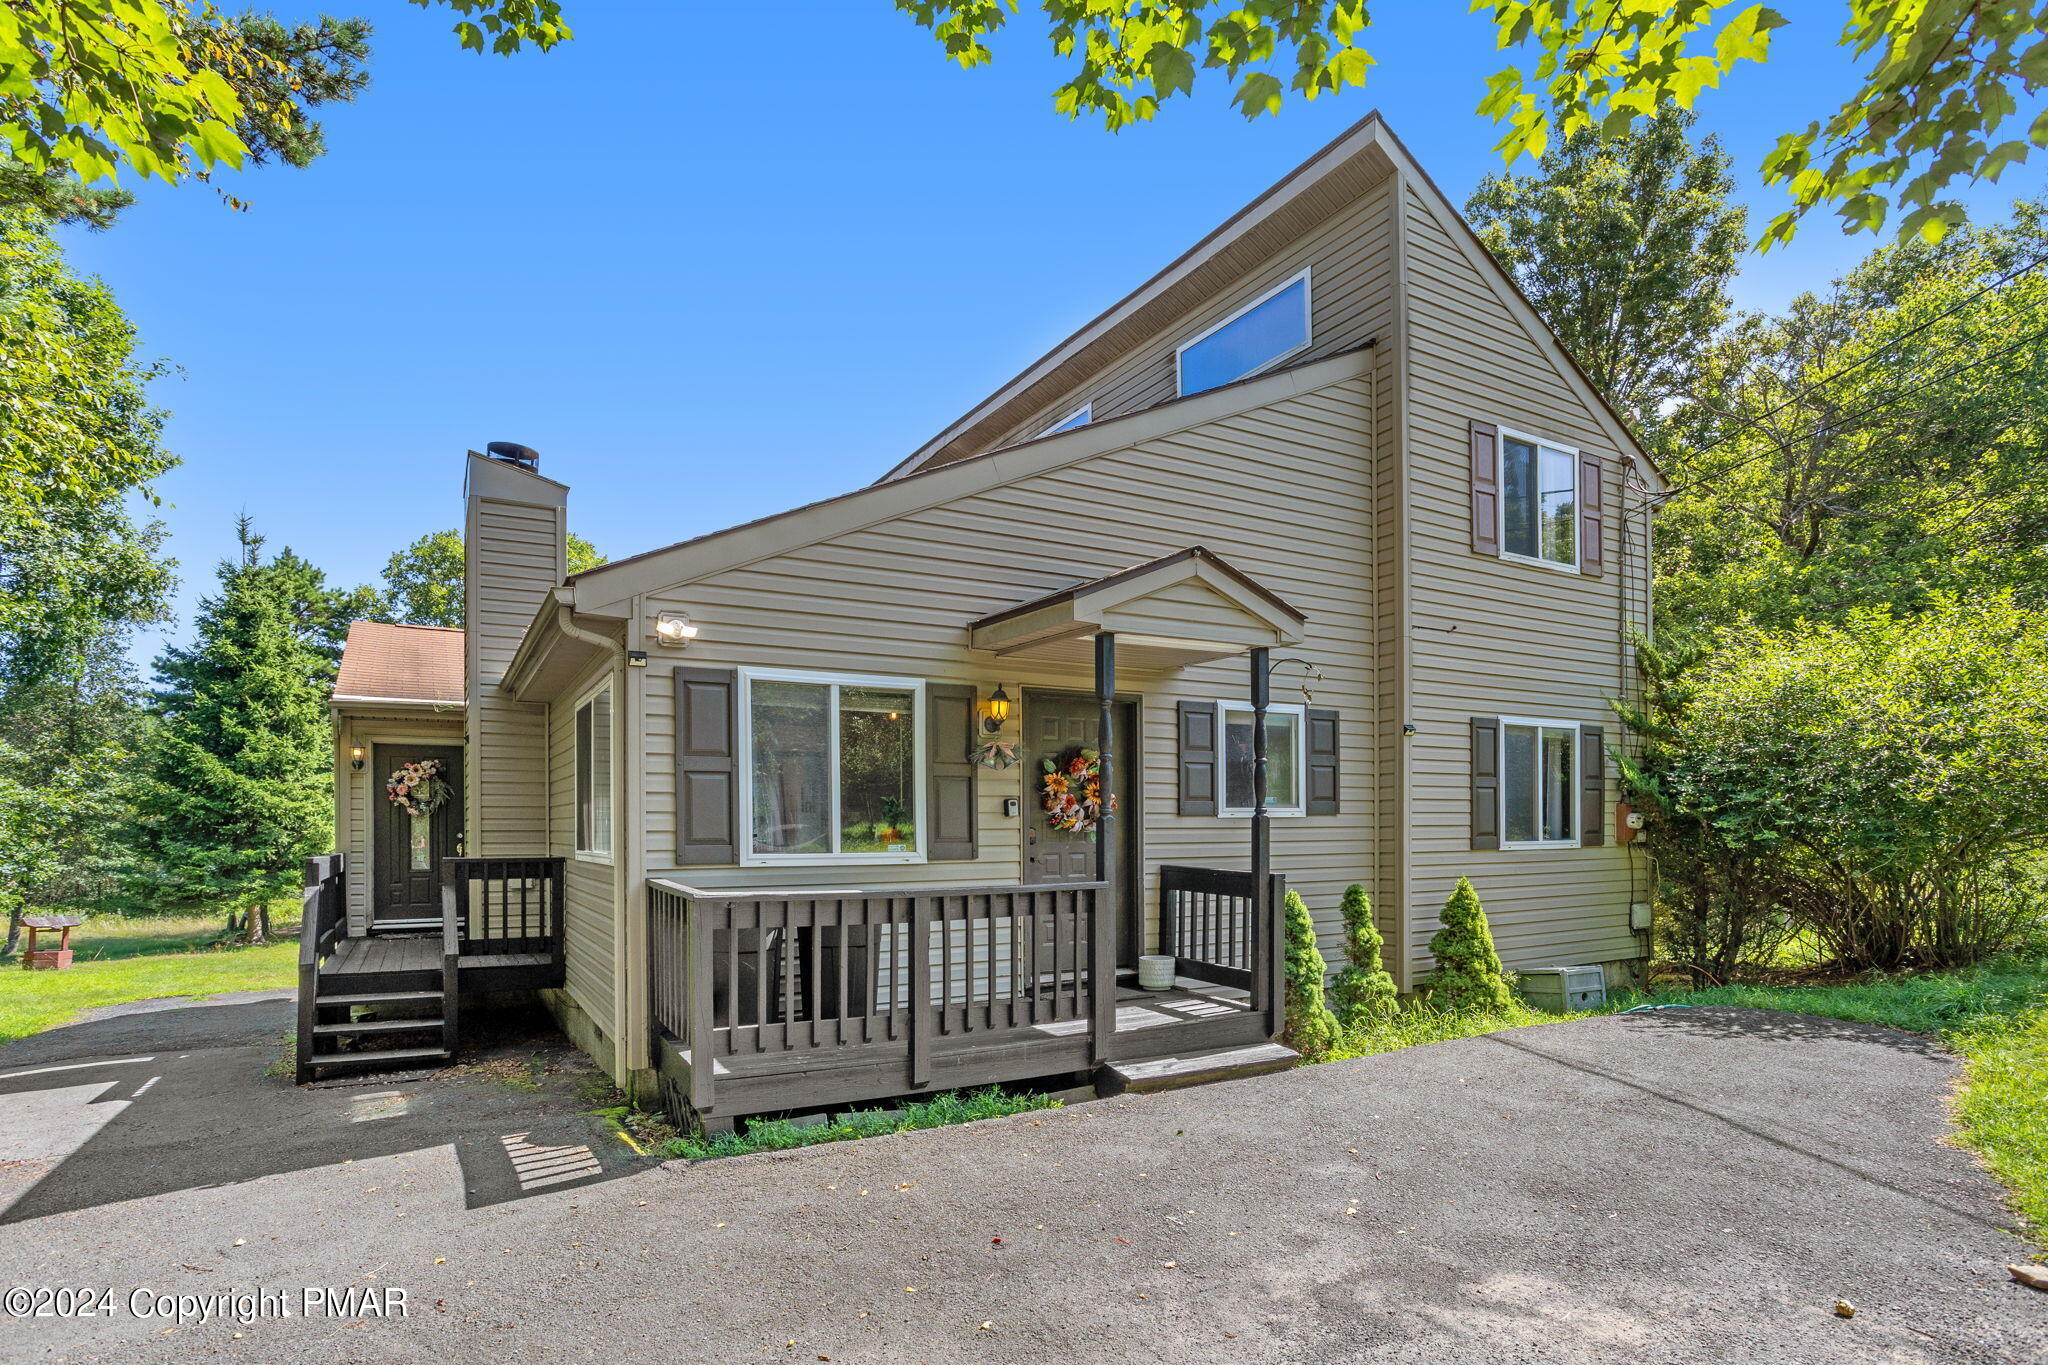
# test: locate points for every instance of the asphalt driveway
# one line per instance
(1684, 1185)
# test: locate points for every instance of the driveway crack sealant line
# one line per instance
(1755, 1132)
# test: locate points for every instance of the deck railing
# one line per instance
(323, 919)
(505, 905)
(1209, 924)
(739, 976)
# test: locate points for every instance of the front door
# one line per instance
(1056, 725)
(406, 849)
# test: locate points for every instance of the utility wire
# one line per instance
(1851, 368)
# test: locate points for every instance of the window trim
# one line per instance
(1308, 333)
(1226, 811)
(589, 695)
(920, 764)
(1085, 413)
(1571, 800)
(1502, 435)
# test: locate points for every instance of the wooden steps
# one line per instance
(1144, 1075)
(398, 982)
(386, 1059)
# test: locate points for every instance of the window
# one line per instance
(1539, 768)
(1079, 417)
(1284, 759)
(1271, 329)
(1538, 501)
(594, 774)
(833, 768)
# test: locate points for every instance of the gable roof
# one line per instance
(407, 664)
(1327, 182)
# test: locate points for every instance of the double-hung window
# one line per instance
(1286, 762)
(594, 774)
(833, 767)
(1539, 765)
(1539, 501)
(1267, 331)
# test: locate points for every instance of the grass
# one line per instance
(1418, 1024)
(778, 1135)
(1995, 1016)
(116, 960)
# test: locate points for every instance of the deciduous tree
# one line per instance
(1626, 247)
(423, 582)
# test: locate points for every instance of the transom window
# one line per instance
(1272, 328)
(594, 774)
(1286, 734)
(1079, 417)
(1539, 502)
(833, 767)
(1539, 768)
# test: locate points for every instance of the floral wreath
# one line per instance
(1073, 791)
(418, 788)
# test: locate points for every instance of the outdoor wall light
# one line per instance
(636, 658)
(673, 628)
(995, 710)
(355, 758)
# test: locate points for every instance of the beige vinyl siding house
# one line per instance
(818, 882)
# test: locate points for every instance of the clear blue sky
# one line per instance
(710, 274)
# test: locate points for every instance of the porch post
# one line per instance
(1105, 697)
(1102, 924)
(1269, 938)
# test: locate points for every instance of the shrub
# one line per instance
(1310, 1028)
(1468, 973)
(1364, 990)
(1881, 783)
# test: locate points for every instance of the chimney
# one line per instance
(515, 553)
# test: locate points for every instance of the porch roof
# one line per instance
(1184, 608)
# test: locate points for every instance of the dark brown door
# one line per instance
(406, 852)
(1056, 724)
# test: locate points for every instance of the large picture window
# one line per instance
(594, 774)
(1285, 762)
(1269, 330)
(834, 768)
(1539, 778)
(1539, 503)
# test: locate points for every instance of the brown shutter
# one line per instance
(1592, 786)
(949, 824)
(1486, 782)
(707, 768)
(1198, 776)
(1592, 518)
(1485, 488)
(1322, 761)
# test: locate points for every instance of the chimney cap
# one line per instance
(511, 452)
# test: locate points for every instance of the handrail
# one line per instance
(321, 919)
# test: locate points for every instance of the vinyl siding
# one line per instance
(590, 889)
(1349, 258)
(515, 558)
(1497, 637)
(1283, 492)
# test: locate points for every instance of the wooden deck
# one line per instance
(783, 1001)
(500, 930)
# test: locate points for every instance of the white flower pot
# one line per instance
(1155, 972)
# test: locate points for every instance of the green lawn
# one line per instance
(139, 958)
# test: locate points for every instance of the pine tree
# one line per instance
(1364, 990)
(1310, 1028)
(239, 792)
(1468, 973)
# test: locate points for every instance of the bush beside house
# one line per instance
(1364, 990)
(1468, 973)
(1310, 1028)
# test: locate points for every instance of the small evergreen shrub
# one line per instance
(1310, 1029)
(1364, 990)
(1468, 973)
